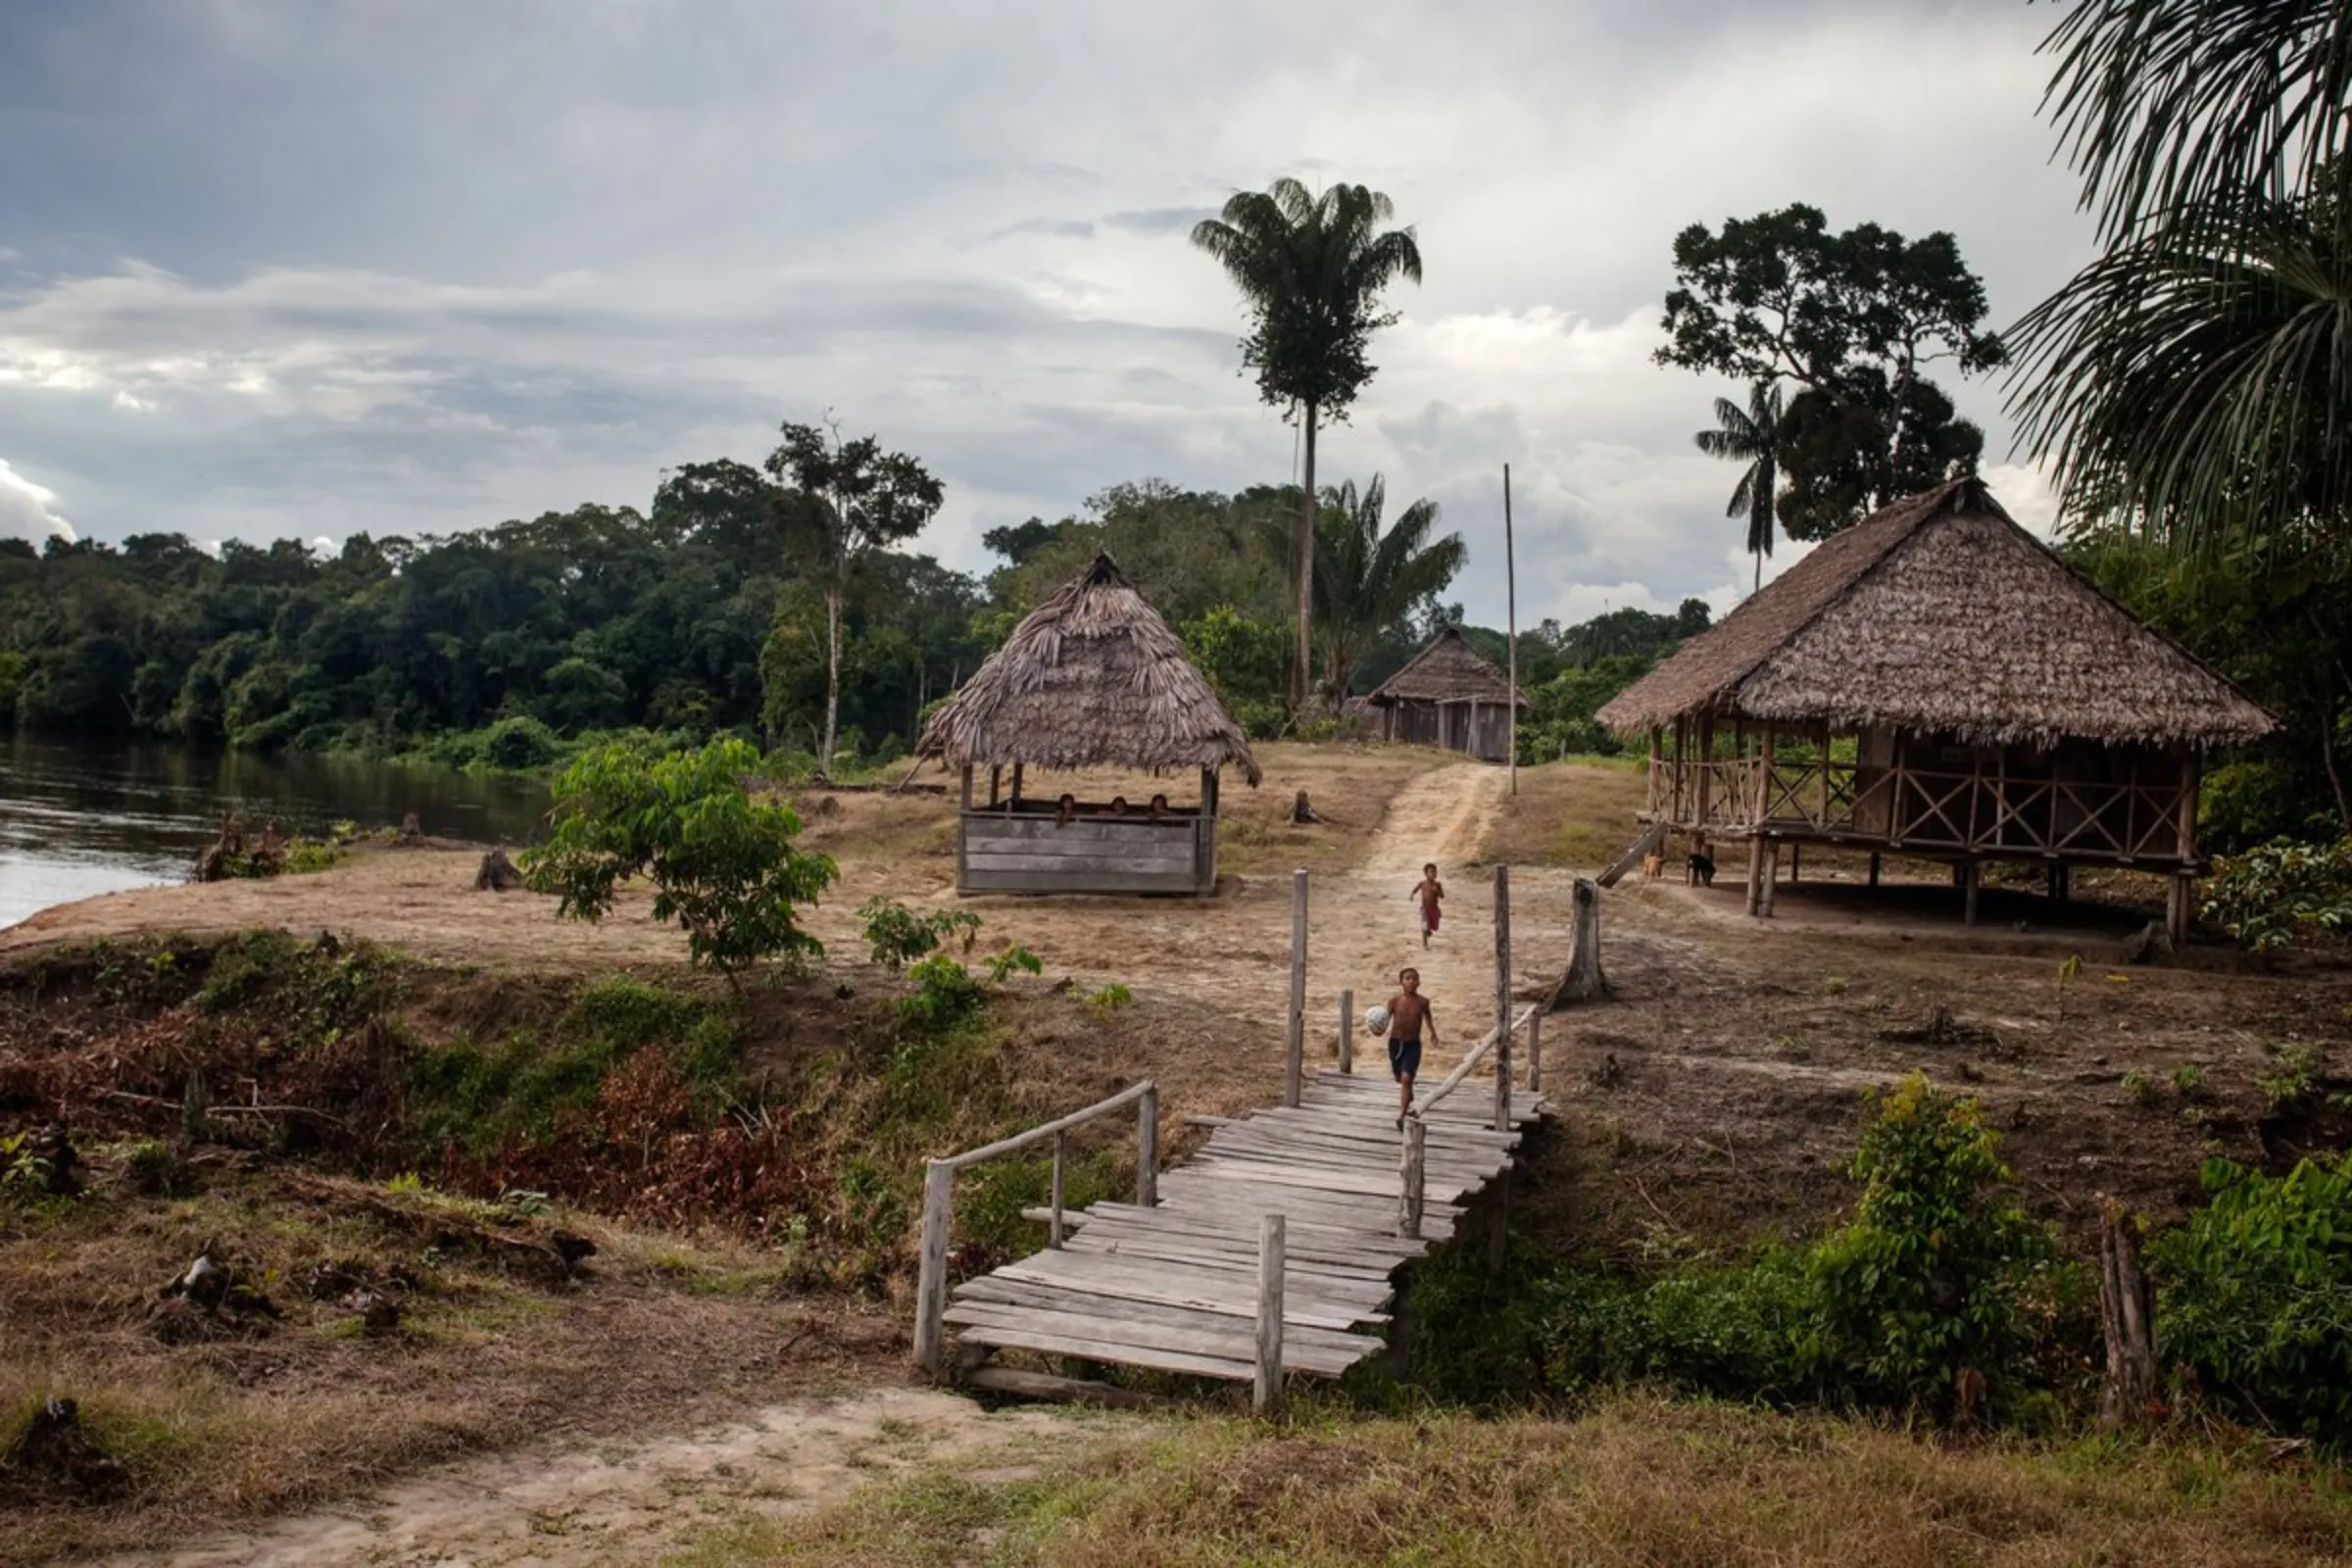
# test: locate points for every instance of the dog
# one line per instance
(1654, 867)
(1702, 868)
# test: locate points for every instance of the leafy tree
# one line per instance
(1189, 551)
(1368, 582)
(1851, 319)
(1311, 269)
(1750, 435)
(855, 500)
(723, 864)
(1243, 658)
(1018, 544)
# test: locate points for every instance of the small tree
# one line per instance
(723, 864)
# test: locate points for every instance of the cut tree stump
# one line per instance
(498, 875)
(2126, 1320)
(1302, 813)
(1584, 981)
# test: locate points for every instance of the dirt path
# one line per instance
(630, 1503)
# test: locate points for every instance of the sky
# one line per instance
(292, 269)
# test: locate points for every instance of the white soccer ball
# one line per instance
(1376, 1020)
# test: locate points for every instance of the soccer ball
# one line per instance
(1376, 1020)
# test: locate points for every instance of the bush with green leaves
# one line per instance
(897, 936)
(2255, 1294)
(2282, 892)
(723, 864)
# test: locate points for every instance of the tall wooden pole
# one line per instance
(1502, 999)
(1511, 579)
(1266, 1383)
(1295, 1052)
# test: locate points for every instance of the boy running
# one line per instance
(1429, 889)
(1409, 1020)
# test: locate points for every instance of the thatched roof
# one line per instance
(1447, 669)
(1939, 614)
(1092, 678)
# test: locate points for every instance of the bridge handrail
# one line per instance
(1453, 1080)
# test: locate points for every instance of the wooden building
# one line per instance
(1937, 682)
(1448, 696)
(1093, 678)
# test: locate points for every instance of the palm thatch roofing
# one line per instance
(1092, 678)
(1447, 669)
(1938, 614)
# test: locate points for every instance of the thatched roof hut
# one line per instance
(1447, 695)
(1093, 678)
(1939, 614)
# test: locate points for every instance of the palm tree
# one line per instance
(1751, 435)
(2194, 384)
(1311, 269)
(1366, 581)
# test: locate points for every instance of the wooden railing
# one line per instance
(1930, 809)
(1412, 1160)
(939, 1199)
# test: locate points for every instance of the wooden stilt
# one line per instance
(1499, 1225)
(1794, 851)
(1266, 1388)
(1294, 1057)
(1772, 874)
(1502, 999)
(1874, 868)
(1969, 879)
(1755, 874)
(1347, 1031)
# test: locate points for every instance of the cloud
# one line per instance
(1158, 220)
(25, 510)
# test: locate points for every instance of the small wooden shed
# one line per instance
(1936, 682)
(1093, 678)
(1449, 696)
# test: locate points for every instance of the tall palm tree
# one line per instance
(1311, 269)
(1751, 435)
(1366, 582)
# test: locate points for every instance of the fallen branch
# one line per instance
(180, 1109)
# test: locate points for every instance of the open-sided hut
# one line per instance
(1448, 696)
(1935, 682)
(1092, 678)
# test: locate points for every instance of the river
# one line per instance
(81, 817)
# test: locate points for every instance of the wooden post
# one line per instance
(1146, 1140)
(1657, 766)
(1796, 850)
(1411, 1176)
(1061, 1154)
(996, 780)
(1511, 588)
(1534, 1052)
(1503, 997)
(2127, 1314)
(1293, 1056)
(1267, 1388)
(1347, 1031)
(2182, 906)
(967, 786)
(1874, 868)
(1706, 770)
(1772, 874)
(1967, 891)
(931, 1278)
(1016, 784)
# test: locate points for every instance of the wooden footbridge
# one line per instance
(1274, 1250)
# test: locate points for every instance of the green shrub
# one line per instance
(896, 936)
(2255, 1294)
(1000, 967)
(1112, 998)
(723, 864)
(944, 994)
(2296, 1071)
(2282, 891)
(155, 1170)
(520, 744)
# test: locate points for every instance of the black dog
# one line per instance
(1703, 866)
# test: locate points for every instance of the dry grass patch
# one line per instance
(1641, 1482)
(1577, 813)
(289, 1411)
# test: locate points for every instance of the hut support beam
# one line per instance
(1969, 879)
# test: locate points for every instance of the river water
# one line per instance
(78, 818)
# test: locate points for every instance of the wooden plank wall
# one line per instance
(1024, 853)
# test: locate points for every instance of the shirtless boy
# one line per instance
(1429, 889)
(1409, 1023)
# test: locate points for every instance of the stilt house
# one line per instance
(1093, 678)
(1936, 682)
(1448, 696)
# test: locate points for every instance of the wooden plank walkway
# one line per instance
(1174, 1286)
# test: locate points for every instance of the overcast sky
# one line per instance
(300, 268)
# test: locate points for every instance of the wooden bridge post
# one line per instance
(1146, 1140)
(1062, 1153)
(1502, 999)
(1411, 1176)
(1295, 1059)
(1535, 1050)
(1267, 1388)
(1347, 1031)
(931, 1278)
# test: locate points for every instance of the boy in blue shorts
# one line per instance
(1410, 1022)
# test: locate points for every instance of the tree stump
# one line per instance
(498, 875)
(55, 1448)
(1302, 813)
(411, 832)
(2126, 1321)
(1584, 981)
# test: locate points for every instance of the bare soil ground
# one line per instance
(1715, 1094)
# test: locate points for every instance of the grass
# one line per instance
(1638, 1480)
(1577, 813)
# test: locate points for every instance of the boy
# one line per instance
(1428, 890)
(1409, 1021)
